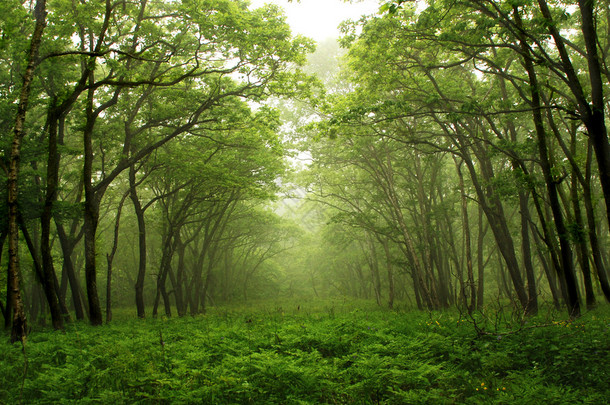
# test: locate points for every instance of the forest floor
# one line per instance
(335, 352)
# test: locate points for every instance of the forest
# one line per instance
(201, 206)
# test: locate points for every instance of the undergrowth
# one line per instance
(331, 353)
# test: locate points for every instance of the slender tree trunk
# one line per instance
(374, 267)
(446, 248)
(91, 213)
(67, 247)
(550, 274)
(595, 121)
(179, 280)
(466, 225)
(418, 299)
(380, 166)
(480, 263)
(110, 258)
(596, 252)
(45, 222)
(6, 309)
(582, 252)
(390, 267)
(3, 308)
(494, 212)
(196, 283)
(169, 247)
(532, 307)
(208, 279)
(91, 222)
(139, 287)
(167, 305)
(585, 182)
(19, 328)
(567, 265)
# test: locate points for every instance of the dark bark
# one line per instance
(567, 265)
(214, 227)
(550, 274)
(587, 198)
(6, 309)
(49, 287)
(526, 252)
(196, 282)
(590, 114)
(3, 309)
(91, 213)
(179, 279)
(592, 234)
(208, 279)
(169, 247)
(582, 252)
(139, 211)
(67, 245)
(45, 220)
(595, 117)
(110, 258)
(480, 263)
(494, 212)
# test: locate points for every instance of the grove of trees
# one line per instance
(468, 141)
(457, 154)
(137, 130)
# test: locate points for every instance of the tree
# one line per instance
(19, 328)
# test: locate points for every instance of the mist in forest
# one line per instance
(189, 163)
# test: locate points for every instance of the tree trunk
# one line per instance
(91, 214)
(139, 287)
(7, 308)
(585, 182)
(19, 328)
(374, 267)
(169, 247)
(110, 258)
(480, 263)
(466, 226)
(67, 247)
(595, 120)
(91, 222)
(526, 252)
(582, 252)
(179, 280)
(600, 268)
(208, 279)
(45, 223)
(548, 271)
(418, 299)
(494, 212)
(567, 265)
(196, 282)
(390, 268)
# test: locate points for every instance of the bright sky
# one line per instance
(319, 19)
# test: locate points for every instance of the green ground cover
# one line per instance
(331, 353)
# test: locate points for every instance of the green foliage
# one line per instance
(335, 352)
